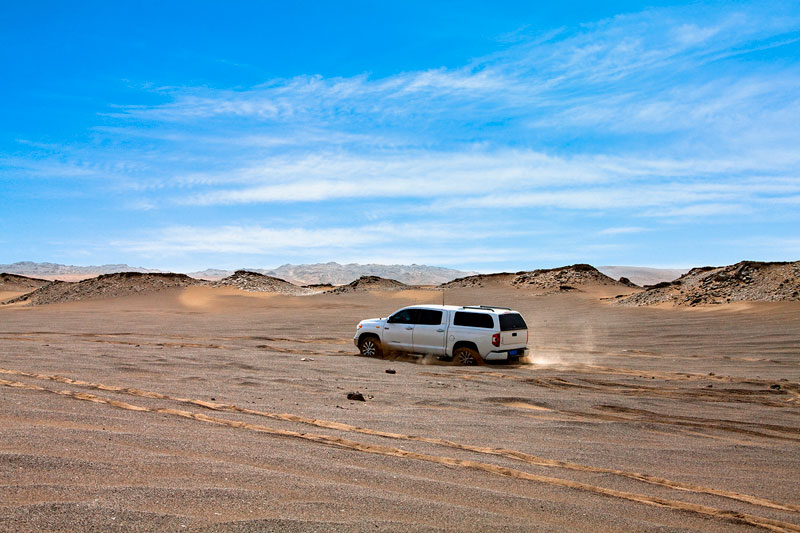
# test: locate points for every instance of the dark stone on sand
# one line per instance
(356, 396)
(391, 371)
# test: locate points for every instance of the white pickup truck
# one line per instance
(467, 334)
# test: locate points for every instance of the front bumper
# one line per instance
(505, 355)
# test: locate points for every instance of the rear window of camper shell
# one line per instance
(512, 321)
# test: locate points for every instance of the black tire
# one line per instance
(369, 347)
(465, 355)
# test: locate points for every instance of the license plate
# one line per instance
(512, 352)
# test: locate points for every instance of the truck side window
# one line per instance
(429, 317)
(406, 316)
(473, 320)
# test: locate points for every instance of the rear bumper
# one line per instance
(505, 355)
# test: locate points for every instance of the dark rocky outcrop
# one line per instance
(255, 282)
(746, 281)
(370, 283)
(104, 286)
(570, 277)
(15, 282)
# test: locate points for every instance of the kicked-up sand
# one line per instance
(214, 409)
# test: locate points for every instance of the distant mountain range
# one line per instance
(337, 274)
(29, 268)
(643, 275)
(333, 273)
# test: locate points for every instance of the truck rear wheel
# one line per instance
(466, 356)
(369, 347)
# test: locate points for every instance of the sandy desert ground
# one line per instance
(213, 409)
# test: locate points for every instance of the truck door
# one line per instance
(398, 330)
(430, 332)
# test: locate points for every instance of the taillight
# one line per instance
(496, 339)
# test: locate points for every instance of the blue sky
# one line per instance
(186, 135)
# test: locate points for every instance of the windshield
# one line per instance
(510, 321)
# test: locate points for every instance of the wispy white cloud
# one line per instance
(669, 200)
(293, 239)
(767, 247)
(706, 209)
(501, 179)
(622, 230)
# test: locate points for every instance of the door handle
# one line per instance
(409, 327)
(440, 330)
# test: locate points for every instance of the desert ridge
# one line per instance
(330, 273)
(14, 285)
(104, 286)
(745, 281)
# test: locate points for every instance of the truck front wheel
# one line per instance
(369, 347)
(466, 356)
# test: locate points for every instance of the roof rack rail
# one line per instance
(484, 307)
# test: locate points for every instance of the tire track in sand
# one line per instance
(501, 452)
(703, 510)
(785, 397)
(622, 414)
(643, 415)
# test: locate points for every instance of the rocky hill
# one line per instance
(562, 278)
(481, 280)
(255, 282)
(14, 282)
(370, 283)
(747, 281)
(105, 286)
(565, 278)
